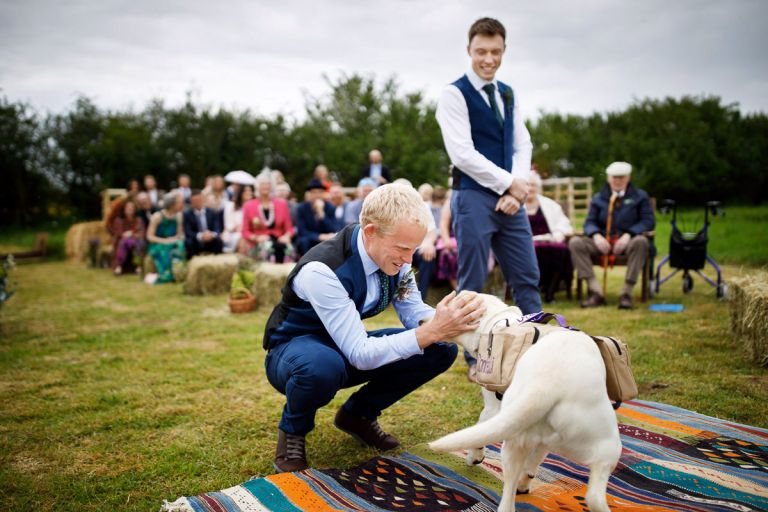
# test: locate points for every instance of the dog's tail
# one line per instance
(510, 420)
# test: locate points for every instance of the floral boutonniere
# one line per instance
(509, 98)
(406, 285)
(256, 222)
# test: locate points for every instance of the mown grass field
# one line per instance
(116, 395)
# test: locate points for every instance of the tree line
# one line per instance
(55, 165)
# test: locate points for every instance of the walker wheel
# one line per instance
(687, 283)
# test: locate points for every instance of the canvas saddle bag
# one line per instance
(501, 348)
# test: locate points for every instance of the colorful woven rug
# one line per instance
(672, 459)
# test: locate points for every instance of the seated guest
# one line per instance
(144, 209)
(233, 219)
(550, 227)
(375, 169)
(315, 218)
(283, 191)
(202, 227)
(267, 225)
(127, 231)
(339, 202)
(364, 187)
(426, 190)
(155, 195)
(166, 238)
(216, 197)
(632, 216)
(322, 174)
(133, 188)
(184, 188)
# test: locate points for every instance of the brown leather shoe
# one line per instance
(364, 430)
(593, 300)
(291, 453)
(625, 301)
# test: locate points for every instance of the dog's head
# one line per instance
(495, 310)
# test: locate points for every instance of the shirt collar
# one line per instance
(369, 266)
(478, 82)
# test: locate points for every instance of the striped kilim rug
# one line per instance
(673, 459)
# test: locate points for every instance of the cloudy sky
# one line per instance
(575, 56)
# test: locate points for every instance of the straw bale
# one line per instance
(210, 275)
(79, 236)
(748, 298)
(270, 279)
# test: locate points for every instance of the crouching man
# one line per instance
(316, 339)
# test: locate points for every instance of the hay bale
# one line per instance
(210, 275)
(270, 279)
(79, 236)
(748, 299)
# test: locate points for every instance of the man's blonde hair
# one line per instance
(390, 204)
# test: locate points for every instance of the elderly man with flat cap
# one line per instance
(631, 215)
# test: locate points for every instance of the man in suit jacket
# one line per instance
(315, 218)
(202, 227)
(375, 169)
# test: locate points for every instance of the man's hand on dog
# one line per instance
(454, 315)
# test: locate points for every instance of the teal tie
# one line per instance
(490, 90)
(384, 288)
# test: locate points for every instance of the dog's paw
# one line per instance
(475, 456)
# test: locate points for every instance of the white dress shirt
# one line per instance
(453, 117)
(317, 284)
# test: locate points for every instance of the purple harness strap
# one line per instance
(542, 318)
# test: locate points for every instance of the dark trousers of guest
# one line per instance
(278, 249)
(195, 247)
(583, 248)
(426, 270)
(309, 372)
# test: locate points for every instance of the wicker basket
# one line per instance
(243, 305)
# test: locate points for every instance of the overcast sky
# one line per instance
(566, 55)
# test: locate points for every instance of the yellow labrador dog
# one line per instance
(557, 402)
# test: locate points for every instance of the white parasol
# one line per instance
(240, 177)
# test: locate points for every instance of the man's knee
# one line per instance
(578, 244)
(638, 243)
(441, 356)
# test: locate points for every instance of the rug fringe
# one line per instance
(180, 505)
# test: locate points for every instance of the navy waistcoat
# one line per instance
(490, 140)
(294, 317)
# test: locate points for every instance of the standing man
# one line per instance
(375, 169)
(490, 148)
(318, 344)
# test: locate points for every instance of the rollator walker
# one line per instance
(688, 250)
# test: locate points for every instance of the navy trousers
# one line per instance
(310, 372)
(478, 229)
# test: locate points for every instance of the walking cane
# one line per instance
(608, 223)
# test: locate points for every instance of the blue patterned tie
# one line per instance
(490, 90)
(384, 289)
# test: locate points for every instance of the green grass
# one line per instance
(116, 395)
